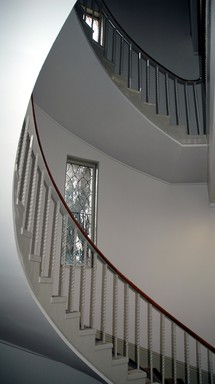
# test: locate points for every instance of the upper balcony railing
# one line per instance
(181, 99)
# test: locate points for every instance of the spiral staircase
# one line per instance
(123, 333)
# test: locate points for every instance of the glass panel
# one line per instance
(74, 248)
(94, 24)
(79, 194)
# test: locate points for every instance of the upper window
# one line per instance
(94, 19)
(81, 193)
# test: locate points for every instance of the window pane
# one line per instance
(79, 194)
(94, 24)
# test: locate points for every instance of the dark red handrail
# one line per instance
(114, 269)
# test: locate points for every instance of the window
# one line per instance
(95, 21)
(81, 193)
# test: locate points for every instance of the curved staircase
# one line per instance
(174, 104)
(124, 334)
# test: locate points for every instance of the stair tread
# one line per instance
(35, 258)
(72, 315)
(45, 280)
(87, 331)
(119, 360)
(58, 299)
(136, 373)
(100, 345)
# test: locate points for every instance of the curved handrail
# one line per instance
(181, 100)
(107, 12)
(111, 266)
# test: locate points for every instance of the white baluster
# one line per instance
(115, 313)
(104, 302)
(83, 285)
(137, 329)
(28, 187)
(55, 235)
(174, 352)
(22, 158)
(32, 196)
(64, 245)
(71, 294)
(187, 357)
(75, 240)
(27, 172)
(126, 317)
(210, 366)
(20, 143)
(163, 347)
(93, 292)
(150, 340)
(36, 231)
(199, 361)
(60, 261)
(45, 256)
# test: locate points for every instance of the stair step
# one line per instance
(72, 315)
(87, 332)
(99, 346)
(119, 360)
(35, 258)
(58, 299)
(26, 233)
(120, 81)
(108, 65)
(20, 204)
(135, 374)
(157, 377)
(45, 280)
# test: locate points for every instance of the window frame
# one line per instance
(95, 15)
(94, 209)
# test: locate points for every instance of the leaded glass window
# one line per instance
(80, 196)
(80, 193)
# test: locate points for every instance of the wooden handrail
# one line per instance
(110, 265)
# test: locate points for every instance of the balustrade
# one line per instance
(139, 329)
(181, 99)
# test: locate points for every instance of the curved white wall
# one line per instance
(160, 236)
(27, 32)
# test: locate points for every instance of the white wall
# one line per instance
(27, 32)
(160, 236)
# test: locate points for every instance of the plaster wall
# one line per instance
(161, 236)
(27, 32)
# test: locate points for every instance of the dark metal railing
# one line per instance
(180, 99)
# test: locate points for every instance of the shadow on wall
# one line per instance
(23, 367)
